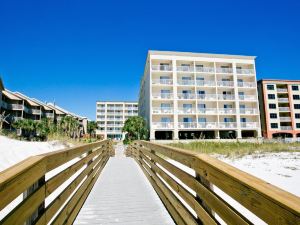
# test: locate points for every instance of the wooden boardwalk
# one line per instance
(123, 195)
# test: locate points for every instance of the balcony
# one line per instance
(227, 111)
(186, 96)
(207, 125)
(187, 125)
(283, 100)
(249, 125)
(284, 109)
(225, 97)
(166, 125)
(207, 83)
(15, 106)
(282, 90)
(162, 81)
(161, 68)
(285, 119)
(247, 84)
(185, 68)
(162, 110)
(49, 115)
(186, 82)
(207, 96)
(35, 111)
(205, 69)
(245, 71)
(227, 125)
(286, 128)
(225, 83)
(207, 111)
(247, 97)
(186, 110)
(162, 95)
(224, 70)
(249, 111)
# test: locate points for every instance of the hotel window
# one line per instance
(165, 120)
(274, 125)
(273, 115)
(297, 115)
(297, 125)
(272, 106)
(295, 88)
(270, 87)
(243, 120)
(271, 96)
(201, 120)
(296, 97)
(187, 120)
(228, 120)
(297, 106)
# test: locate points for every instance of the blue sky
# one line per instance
(76, 52)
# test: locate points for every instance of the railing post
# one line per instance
(40, 210)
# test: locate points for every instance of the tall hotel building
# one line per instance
(111, 116)
(195, 95)
(280, 108)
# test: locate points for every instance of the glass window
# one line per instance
(273, 115)
(295, 88)
(202, 120)
(271, 96)
(243, 120)
(274, 125)
(187, 106)
(297, 115)
(164, 77)
(187, 120)
(165, 105)
(186, 91)
(297, 125)
(165, 91)
(199, 78)
(228, 120)
(272, 106)
(227, 106)
(165, 120)
(270, 87)
(297, 106)
(201, 106)
(186, 78)
(296, 97)
(201, 92)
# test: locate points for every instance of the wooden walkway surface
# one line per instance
(123, 195)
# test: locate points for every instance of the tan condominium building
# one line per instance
(111, 116)
(195, 95)
(280, 108)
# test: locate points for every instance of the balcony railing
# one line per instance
(186, 110)
(185, 68)
(207, 110)
(186, 82)
(247, 84)
(208, 83)
(285, 118)
(205, 69)
(225, 83)
(15, 106)
(35, 111)
(282, 90)
(227, 125)
(187, 125)
(186, 96)
(168, 125)
(249, 124)
(162, 81)
(224, 70)
(49, 115)
(225, 97)
(286, 127)
(247, 97)
(161, 67)
(284, 109)
(245, 71)
(207, 96)
(162, 95)
(227, 111)
(162, 110)
(207, 125)
(283, 100)
(248, 111)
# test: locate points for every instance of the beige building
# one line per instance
(111, 116)
(280, 108)
(195, 95)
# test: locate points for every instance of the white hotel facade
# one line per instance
(195, 95)
(111, 116)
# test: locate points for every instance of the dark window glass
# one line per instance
(272, 106)
(297, 106)
(270, 87)
(296, 97)
(295, 88)
(274, 125)
(273, 115)
(297, 115)
(297, 125)
(271, 96)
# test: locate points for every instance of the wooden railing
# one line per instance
(72, 173)
(190, 195)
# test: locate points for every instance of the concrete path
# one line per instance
(123, 195)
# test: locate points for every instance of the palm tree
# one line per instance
(136, 129)
(91, 128)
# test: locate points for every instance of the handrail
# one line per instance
(174, 185)
(28, 177)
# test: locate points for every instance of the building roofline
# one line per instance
(278, 80)
(1, 84)
(119, 101)
(194, 54)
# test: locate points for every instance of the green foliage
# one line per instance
(91, 128)
(135, 128)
